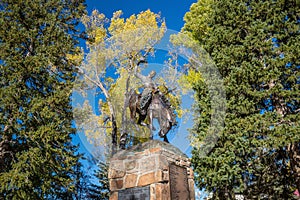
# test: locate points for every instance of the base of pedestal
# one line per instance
(153, 170)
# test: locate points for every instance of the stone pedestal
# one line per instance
(151, 171)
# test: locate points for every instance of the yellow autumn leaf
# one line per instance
(187, 81)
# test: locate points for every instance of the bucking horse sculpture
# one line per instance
(157, 108)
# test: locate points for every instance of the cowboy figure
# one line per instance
(149, 89)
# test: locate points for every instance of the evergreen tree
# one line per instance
(37, 158)
(81, 181)
(100, 191)
(255, 46)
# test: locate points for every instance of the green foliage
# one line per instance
(197, 20)
(116, 45)
(255, 46)
(100, 191)
(37, 159)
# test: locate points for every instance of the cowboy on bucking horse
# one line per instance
(149, 89)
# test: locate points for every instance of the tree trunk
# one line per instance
(124, 130)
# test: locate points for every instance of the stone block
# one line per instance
(146, 179)
(159, 176)
(131, 165)
(158, 191)
(161, 191)
(155, 150)
(152, 192)
(165, 175)
(115, 184)
(130, 180)
(190, 173)
(148, 164)
(113, 196)
(114, 173)
(162, 163)
(192, 189)
(116, 169)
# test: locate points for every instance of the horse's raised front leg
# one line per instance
(165, 127)
(166, 139)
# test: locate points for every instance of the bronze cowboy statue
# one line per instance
(149, 89)
(151, 104)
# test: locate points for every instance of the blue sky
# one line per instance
(171, 10)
